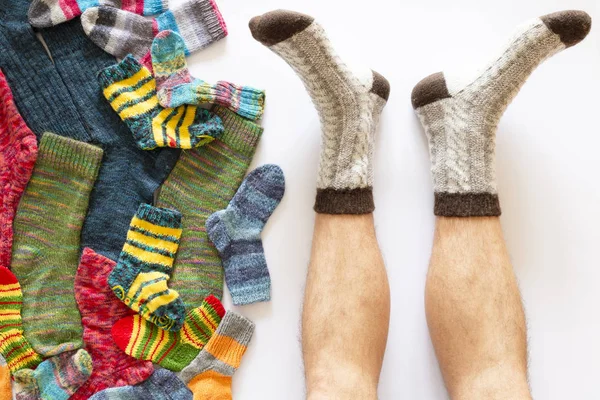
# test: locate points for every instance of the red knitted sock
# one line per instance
(100, 309)
(18, 152)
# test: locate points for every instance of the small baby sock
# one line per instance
(344, 102)
(172, 350)
(146, 265)
(131, 91)
(209, 375)
(18, 151)
(100, 310)
(120, 33)
(460, 117)
(176, 86)
(236, 231)
(16, 350)
(162, 385)
(57, 378)
(47, 13)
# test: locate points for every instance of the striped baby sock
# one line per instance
(162, 385)
(120, 33)
(16, 350)
(346, 101)
(57, 378)
(18, 151)
(46, 244)
(209, 375)
(100, 309)
(172, 350)
(460, 119)
(131, 91)
(47, 13)
(236, 231)
(202, 182)
(176, 86)
(146, 265)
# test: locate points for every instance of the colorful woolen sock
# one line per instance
(344, 100)
(15, 349)
(46, 243)
(203, 182)
(145, 267)
(18, 151)
(162, 385)
(209, 375)
(130, 89)
(47, 13)
(100, 310)
(172, 350)
(176, 86)
(236, 231)
(460, 119)
(57, 378)
(120, 33)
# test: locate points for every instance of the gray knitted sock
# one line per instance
(460, 117)
(348, 102)
(162, 385)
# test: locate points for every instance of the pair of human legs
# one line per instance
(472, 301)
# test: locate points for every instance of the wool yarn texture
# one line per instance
(5, 383)
(162, 385)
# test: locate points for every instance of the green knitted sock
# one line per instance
(46, 242)
(203, 181)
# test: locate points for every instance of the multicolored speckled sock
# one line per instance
(162, 385)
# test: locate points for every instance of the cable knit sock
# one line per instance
(344, 100)
(100, 310)
(203, 182)
(46, 243)
(120, 33)
(56, 378)
(162, 385)
(131, 91)
(145, 267)
(18, 151)
(460, 117)
(47, 13)
(172, 350)
(209, 375)
(176, 86)
(236, 231)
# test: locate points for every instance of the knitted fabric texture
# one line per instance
(162, 385)
(47, 13)
(172, 350)
(461, 116)
(15, 349)
(176, 86)
(145, 267)
(46, 244)
(120, 33)
(347, 103)
(57, 378)
(100, 310)
(203, 182)
(209, 375)
(5, 383)
(236, 231)
(18, 151)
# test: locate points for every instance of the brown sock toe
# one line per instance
(429, 90)
(572, 26)
(381, 86)
(277, 26)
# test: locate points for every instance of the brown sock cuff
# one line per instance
(467, 205)
(345, 201)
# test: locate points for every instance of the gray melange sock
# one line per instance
(348, 103)
(162, 385)
(460, 117)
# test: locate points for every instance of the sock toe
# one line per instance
(88, 19)
(429, 90)
(381, 86)
(121, 331)
(572, 26)
(39, 14)
(83, 363)
(7, 277)
(277, 26)
(166, 44)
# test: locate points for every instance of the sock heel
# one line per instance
(429, 90)
(381, 86)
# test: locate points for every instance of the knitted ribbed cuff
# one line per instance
(127, 68)
(467, 205)
(159, 216)
(70, 155)
(344, 201)
(153, 7)
(213, 20)
(240, 134)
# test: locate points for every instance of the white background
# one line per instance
(548, 170)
